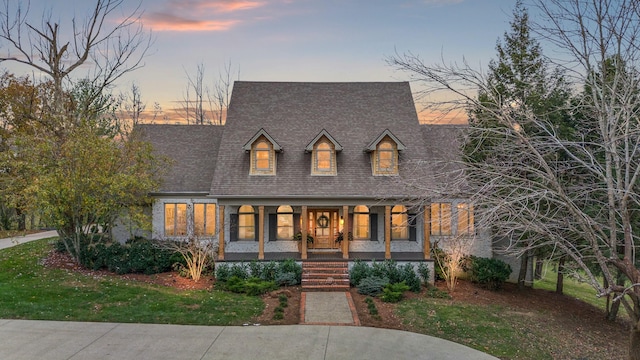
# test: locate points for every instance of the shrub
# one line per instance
(255, 269)
(424, 272)
(286, 279)
(269, 271)
(408, 276)
(359, 271)
(251, 286)
(223, 272)
(388, 269)
(394, 292)
(239, 270)
(490, 273)
(136, 256)
(290, 266)
(372, 285)
(434, 292)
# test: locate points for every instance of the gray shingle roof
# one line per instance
(210, 158)
(293, 114)
(193, 150)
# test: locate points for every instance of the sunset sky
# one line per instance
(295, 40)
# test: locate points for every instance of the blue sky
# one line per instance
(297, 40)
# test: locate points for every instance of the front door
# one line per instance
(324, 226)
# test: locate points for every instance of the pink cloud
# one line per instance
(197, 15)
(166, 22)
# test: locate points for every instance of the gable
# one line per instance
(350, 115)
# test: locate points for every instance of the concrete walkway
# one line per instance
(52, 340)
(12, 241)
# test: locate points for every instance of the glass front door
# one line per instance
(323, 227)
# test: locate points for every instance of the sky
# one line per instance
(291, 40)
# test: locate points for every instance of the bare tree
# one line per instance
(113, 46)
(204, 105)
(583, 203)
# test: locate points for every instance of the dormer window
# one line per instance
(263, 157)
(323, 149)
(262, 149)
(385, 154)
(324, 158)
(386, 157)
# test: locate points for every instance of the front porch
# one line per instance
(388, 235)
(323, 256)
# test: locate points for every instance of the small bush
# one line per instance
(408, 276)
(251, 286)
(269, 271)
(359, 271)
(424, 272)
(388, 269)
(434, 292)
(290, 266)
(239, 270)
(286, 279)
(223, 272)
(372, 285)
(490, 273)
(394, 292)
(283, 298)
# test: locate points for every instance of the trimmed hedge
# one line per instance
(136, 256)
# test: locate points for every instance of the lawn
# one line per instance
(571, 287)
(32, 291)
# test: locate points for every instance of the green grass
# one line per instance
(31, 291)
(571, 287)
(491, 329)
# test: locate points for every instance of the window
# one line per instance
(386, 158)
(246, 223)
(441, 219)
(361, 222)
(399, 223)
(324, 158)
(175, 219)
(285, 223)
(262, 158)
(465, 219)
(204, 219)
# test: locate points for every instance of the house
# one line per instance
(319, 159)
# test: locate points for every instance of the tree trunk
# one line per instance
(522, 275)
(538, 273)
(634, 342)
(560, 281)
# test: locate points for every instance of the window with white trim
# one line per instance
(465, 219)
(204, 219)
(324, 158)
(441, 219)
(263, 158)
(175, 219)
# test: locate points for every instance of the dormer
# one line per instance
(384, 153)
(323, 149)
(262, 148)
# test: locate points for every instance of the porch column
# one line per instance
(261, 232)
(221, 232)
(303, 229)
(387, 232)
(427, 232)
(345, 232)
